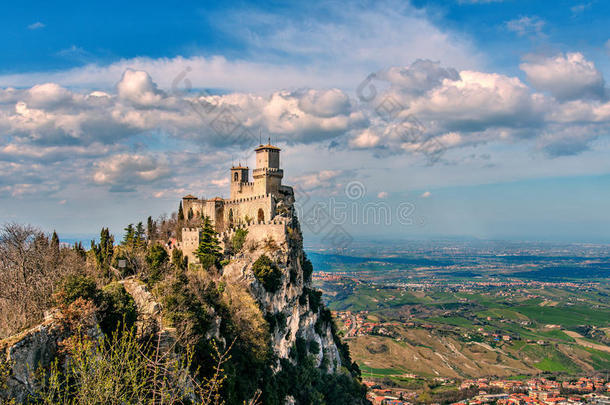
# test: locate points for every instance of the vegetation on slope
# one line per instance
(85, 286)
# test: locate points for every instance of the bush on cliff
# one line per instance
(157, 260)
(121, 369)
(119, 308)
(267, 273)
(113, 305)
(238, 240)
(307, 268)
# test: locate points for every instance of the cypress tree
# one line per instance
(180, 212)
(104, 251)
(55, 242)
(209, 247)
(151, 229)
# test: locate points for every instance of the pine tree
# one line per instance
(151, 229)
(104, 251)
(140, 235)
(130, 234)
(209, 247)
(78, 248)
(55, 242)
(180, 212)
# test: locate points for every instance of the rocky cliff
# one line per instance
(293, 303)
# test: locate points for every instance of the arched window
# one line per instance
(261, 215)
(234, 176)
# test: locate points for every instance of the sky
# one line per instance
(423, 119)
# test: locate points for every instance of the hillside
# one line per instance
(472, 315)
(251, 313)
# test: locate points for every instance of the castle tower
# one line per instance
(239, 179)
(267, 175)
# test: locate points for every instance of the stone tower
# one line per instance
(239, 180)
(267, 175)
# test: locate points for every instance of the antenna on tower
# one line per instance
(269, 141)
(260, 136)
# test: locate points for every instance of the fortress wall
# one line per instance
(249, 207)
(190, 243)
(276, 229)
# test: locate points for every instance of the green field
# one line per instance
(522, 327)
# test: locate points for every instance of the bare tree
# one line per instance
(31, 267)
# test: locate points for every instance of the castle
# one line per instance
(250, 202)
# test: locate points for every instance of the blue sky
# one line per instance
(505, 103)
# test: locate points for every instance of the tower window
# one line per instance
(235, 176)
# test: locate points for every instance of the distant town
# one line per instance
(534, 391)
(474, 323)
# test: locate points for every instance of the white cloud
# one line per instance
(426, 194)
(36, 25)
(106, 136)
(123, 172)
(420, 76)
(382, 194)
(317, 180)
(478, 100)
(566, 77)
(579, 8)
(325, 103)
(526, 26)
(366, 139)
(47, 95)
(138, 87)
(282, 114)
(291, 52)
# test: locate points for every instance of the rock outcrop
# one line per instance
(282, 243)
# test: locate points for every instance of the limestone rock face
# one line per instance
(282, 243)
(31, 350)
(27, 351)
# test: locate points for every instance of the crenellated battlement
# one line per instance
(252, 203)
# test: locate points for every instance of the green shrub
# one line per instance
(119, 310)
(157, 260)
(267, 273)
(303, 297)
(76, 286)
(307, 268)
(238, 240)
(179, 261)
(314, 347)
(315, 299)
(208, 260)
(276, 320)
